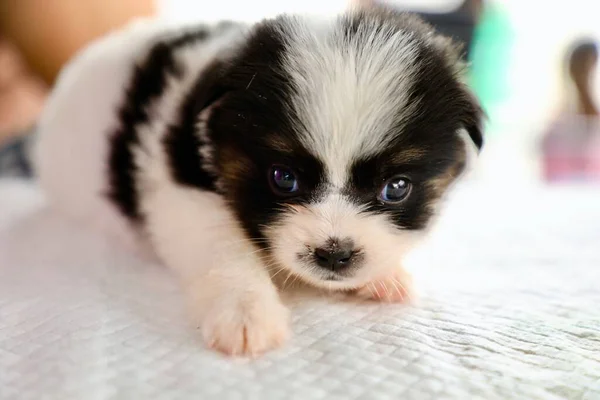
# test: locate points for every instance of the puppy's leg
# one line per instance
(233, 299)
(395, 287)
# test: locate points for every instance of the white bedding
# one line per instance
(509, 308)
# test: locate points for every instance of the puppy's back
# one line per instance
(83, 113)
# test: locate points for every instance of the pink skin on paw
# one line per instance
(396, 288)
(248, 341)
(248, 329)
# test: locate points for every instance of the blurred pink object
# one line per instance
(571, 146)
(571, 150)
(22, 93)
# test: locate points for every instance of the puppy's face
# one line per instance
(335, 141)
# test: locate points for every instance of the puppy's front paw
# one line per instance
(395, 288)
(246, 326)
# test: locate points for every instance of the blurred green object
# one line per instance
(490, 57)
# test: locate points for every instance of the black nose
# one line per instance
(335, 256)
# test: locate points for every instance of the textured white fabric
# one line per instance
(509, 309)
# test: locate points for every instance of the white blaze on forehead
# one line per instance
(349, 91)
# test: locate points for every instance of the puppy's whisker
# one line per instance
(248, 240)
(373, 289)
(404, 289)
(287, 207)
(385, 288)
(279, 270)
(296, 277)
(286, 280)
(398, 289)
(259, 253)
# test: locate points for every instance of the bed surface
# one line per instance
(509, 309)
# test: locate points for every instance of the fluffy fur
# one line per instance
(175, 137)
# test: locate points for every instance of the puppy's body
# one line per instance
(77, 131)
(319, 148)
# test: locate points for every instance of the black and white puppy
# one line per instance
(312, 148)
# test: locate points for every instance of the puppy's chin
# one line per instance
(331, 283)
(375, 247)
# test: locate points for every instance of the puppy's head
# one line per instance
(334, 140)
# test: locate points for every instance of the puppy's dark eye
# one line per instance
(283, 180)
(395, 190)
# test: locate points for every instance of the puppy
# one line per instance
(317, 149)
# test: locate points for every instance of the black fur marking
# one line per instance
(446, 104)
(182, 142)
(148, 83)
(252, 128)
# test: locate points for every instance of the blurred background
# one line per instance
(532, 64)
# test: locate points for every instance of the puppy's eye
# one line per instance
(283, 180)
(395, 190)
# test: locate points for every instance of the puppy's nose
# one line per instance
(335, 256)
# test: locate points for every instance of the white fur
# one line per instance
(348, 93)
(233, 297)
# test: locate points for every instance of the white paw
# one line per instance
(246, 326)
(395, 288)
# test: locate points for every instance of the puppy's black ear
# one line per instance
(209, 88)
(183, 141)
(474, 121)
(443, 50)
(452, 54)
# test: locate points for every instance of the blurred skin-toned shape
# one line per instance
(37, 37)
(22, 93)
(582, 67)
